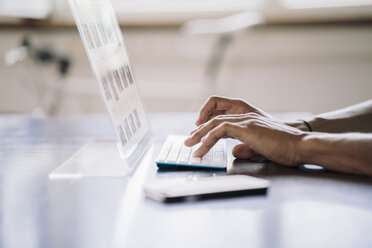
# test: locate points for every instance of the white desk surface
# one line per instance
(302, 208)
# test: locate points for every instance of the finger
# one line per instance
(203, 130)
(215, 114)
(212, 116)
(199, 133)
(223, 130)
(196, 129)
(243, 151)
(212, 104)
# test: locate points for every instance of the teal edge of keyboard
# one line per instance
(173, 166)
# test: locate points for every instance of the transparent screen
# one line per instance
(108, 57)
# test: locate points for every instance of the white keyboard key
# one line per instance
(164, 151)
(209, 155)
(183, 160)
(174, 151)
(194, 160)
(219, 147)
(184, 155)
(186, 149)
(219, 157)
(205, 161)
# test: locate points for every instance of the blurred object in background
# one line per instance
(225, 29)
(317, 11)
(31, 64)
(297, 4)
(170, 12)
(290, 55)
(225, 25)
(34, 9)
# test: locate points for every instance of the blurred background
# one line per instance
(281, 55)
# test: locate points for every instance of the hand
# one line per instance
(260, 136)
(215, 106)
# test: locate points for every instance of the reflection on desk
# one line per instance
(302, 208)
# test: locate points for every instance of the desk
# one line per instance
(301, 209)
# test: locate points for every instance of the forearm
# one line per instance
(356, 118)
(350, 152)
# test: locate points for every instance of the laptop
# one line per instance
(104, 45)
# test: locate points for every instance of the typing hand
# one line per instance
(259, 135)
(216, 105)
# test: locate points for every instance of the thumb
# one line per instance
(243, 151)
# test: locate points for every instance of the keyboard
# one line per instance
(175, 153)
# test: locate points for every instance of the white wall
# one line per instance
(307, 68)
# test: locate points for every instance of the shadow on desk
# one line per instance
(271, 169)
(299, 183)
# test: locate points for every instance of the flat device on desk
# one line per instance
(104, 45)
(200, 188)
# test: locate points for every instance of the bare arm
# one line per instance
(356, 118)
(289, 143)
(349, 152)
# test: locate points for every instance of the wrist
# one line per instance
(299, 124)
(311, 148)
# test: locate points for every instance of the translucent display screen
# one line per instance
(104, 45)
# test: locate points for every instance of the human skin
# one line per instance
(340, 140)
